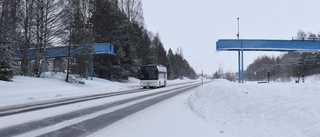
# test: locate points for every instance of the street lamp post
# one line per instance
(238, 35)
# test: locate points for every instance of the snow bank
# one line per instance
(264, 110)
(28, 89)
(52, 86)
(314, 79)
(183, 79)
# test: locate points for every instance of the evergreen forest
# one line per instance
(40, 24)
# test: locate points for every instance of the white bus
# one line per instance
(153, 76)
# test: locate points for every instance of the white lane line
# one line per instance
(67, 123)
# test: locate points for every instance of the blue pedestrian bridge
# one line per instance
(267, 45)
(241, 45)
(54, 52)
(63, 51)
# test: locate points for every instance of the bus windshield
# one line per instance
(148, 73)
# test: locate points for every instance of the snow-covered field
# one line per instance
(27, 89)
(220, 108)
(226, 109)
(264, 110)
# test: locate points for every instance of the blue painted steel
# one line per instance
(239, 70)
(53, 52)
(267, 45)
(242, 66)
(103, 48)
(90, 69)
(241, 45)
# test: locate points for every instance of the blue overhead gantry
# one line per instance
(54, 52)
(240, 45)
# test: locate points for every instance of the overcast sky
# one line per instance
(196, 25)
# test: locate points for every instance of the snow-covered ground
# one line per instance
(27, 89)
(226, 109)
(220, 108)
(264, 110)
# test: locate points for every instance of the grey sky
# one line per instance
(196, 25)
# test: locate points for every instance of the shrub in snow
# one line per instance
(76, 79)
(47, 74)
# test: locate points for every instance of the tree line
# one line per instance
(291, 64)
(40, 24)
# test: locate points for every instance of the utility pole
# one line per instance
(240, 58)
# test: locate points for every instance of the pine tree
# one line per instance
(80, 36)
(144, 49)
(171, 66)
(7, 35)
(111, 26)
(6, 67)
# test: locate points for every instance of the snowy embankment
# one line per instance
(219, 108)
(260, 110)
(28, 89)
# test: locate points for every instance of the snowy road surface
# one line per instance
(219, 109)
(87, 121)
(170, 118)
(38, 105)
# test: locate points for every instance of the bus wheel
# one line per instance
(144, 87)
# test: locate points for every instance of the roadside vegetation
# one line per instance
(40, 24)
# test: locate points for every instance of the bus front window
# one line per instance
(148, 73)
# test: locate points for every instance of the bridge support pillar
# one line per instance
(239, 63)
(240, 66)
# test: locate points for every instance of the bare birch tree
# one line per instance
(133, 10)
(48, 15)
(27, 17)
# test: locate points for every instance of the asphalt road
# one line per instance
(94, 124)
